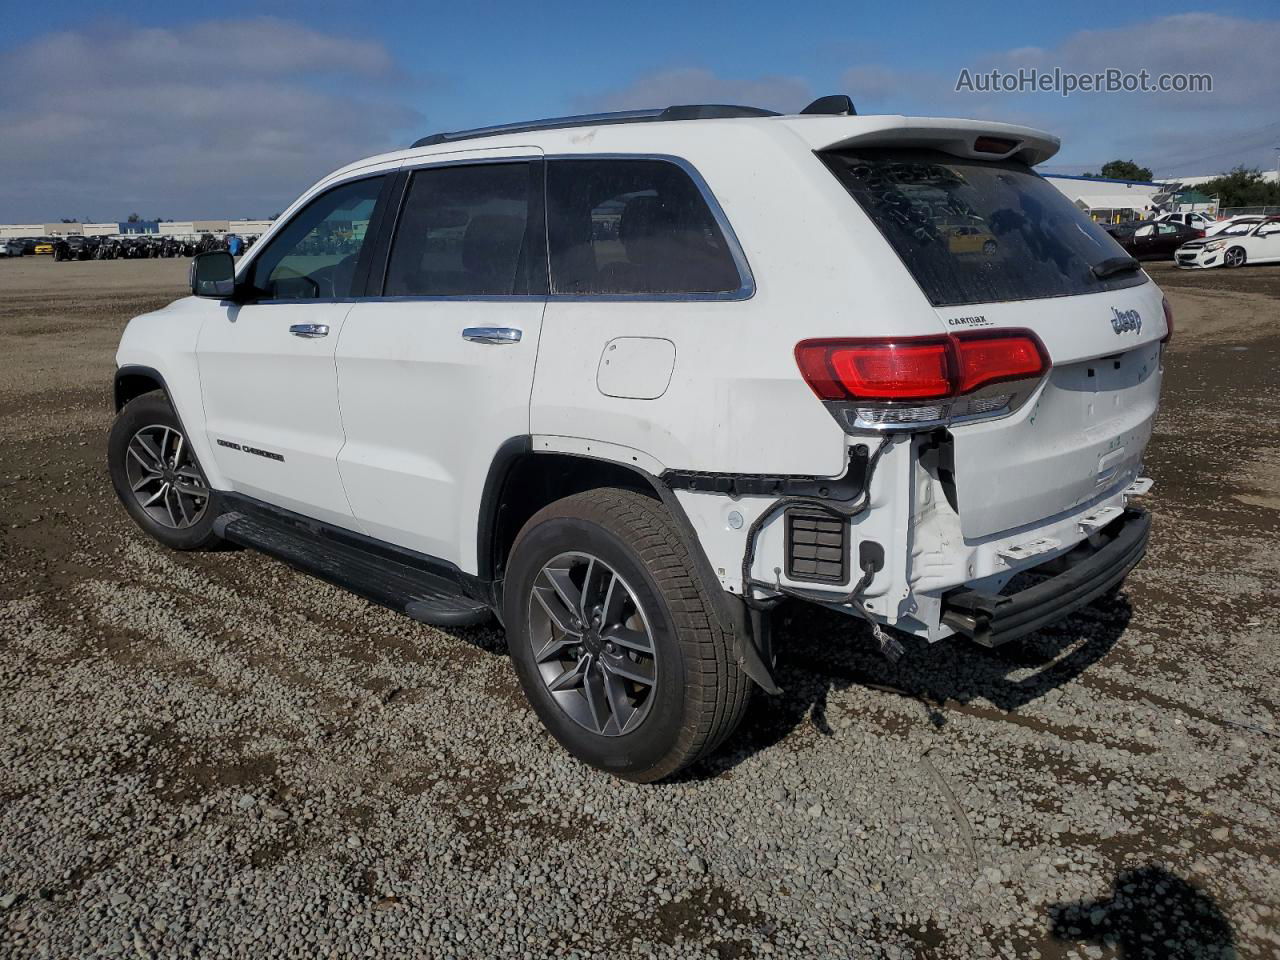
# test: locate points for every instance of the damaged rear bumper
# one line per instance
(1076, 579)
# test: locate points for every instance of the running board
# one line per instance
(374, 573)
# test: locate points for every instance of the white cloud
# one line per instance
(1174, 133)
(678, 85)
(230, 118)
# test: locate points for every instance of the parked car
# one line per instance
(1244, 220)
(1200, 221)
(75, 248)
(736, 401)
(1155, 239)
(43, 246)
(11, 248)
(970, 238)
(1240, 244)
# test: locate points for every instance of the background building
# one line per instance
(1111, 201)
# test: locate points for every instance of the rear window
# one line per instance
(463, 231)
(633, 227)
(978, 231)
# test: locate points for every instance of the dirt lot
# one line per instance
(212, 755)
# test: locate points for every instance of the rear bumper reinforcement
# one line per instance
(1077, 578)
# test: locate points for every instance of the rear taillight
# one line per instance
(1168, 321)
(876, 369)
(876, 383)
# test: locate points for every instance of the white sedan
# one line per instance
(1239, 244)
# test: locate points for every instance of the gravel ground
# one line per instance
(215, 756)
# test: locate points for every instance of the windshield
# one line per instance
(978, 231)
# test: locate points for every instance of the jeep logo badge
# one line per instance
(1123, 321)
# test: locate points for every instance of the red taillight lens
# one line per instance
(892, 371)
(1168, 321)
(927, 368)
(986, 360)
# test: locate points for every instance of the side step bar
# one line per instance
(1082, 575)
(376, 573)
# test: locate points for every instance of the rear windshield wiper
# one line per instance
(1113, 265)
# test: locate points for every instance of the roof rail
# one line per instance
(693, 111)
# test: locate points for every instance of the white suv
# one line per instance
(626, 382)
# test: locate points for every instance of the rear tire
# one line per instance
(698, 695)
(156, 475)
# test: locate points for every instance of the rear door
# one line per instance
(1081, 435)
(267, 366)
(434, 375)
(1264, 245)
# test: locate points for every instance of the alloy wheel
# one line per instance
(165, 481)
(592, 644)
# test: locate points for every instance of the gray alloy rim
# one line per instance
(592, 644)
(166, 483)
(1235, 257)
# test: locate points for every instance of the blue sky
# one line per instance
(208, 111)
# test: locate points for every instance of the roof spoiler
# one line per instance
(977, 139)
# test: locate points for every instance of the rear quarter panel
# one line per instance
(735, 401)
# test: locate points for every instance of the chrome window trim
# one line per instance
(746, 286)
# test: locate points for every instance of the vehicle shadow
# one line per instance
(1151, 913)
(819, 650)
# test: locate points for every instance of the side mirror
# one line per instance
(213, 275)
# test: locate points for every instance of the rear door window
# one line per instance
(633, 227)
(978, 231)
(467, 231)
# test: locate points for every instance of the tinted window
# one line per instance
(633, 227)
(464, 231)
(1037, 243)
(316, 253)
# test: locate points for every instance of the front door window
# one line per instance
(316, 255)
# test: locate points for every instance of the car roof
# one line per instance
(659, 135)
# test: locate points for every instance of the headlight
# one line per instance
(1214, 245)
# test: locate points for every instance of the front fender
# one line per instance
(162, 346)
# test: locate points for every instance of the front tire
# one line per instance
(1234, 257)
(156, 475)
(614, 639)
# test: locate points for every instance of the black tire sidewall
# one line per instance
(633, 754)
(149, 409)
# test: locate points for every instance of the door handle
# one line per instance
(310, 330)
(494, 335)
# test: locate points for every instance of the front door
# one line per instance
(267, 365)
(436, 375)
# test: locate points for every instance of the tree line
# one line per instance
(1239, 187)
